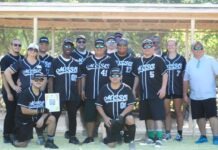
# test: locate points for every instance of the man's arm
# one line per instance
(8, 76)
(107, 120)
(7, 88)
(83, 81)
(185, 90)
(135, 85)
(50, 84)
(127, 110)
(162, 91)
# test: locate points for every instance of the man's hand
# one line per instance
(39, 123)
(107, 121)
(42, 110)
(83, 96)
(161, 93)
(17, 89)
(186, 98)
(10, 97)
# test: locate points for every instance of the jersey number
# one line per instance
(151, 74)
(178, 72)
(122, 105)
(104, 73)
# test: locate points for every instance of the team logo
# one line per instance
(146, 67)
(64, 70)
(116, 98)
(36, 104)
(97, 66)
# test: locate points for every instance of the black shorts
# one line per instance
(90, 111)
(173, 96)
(24, 131)
(203, 108)
(151, 109)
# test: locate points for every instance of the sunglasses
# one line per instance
(99, 46)
(81, 42)
(198, 48)
(17, 45)
(38, 79)
(115, 75)
(147, 46)
(33, 49)
(68, 46)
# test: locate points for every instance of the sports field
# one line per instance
(187, 144)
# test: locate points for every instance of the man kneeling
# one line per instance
(115, 104)
(31, 112)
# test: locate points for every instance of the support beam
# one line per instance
(192, 30)
(52, 41)
(35, 29)
(187, 49)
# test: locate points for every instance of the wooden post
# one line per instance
(52, 41)
(192, 30)
(35, 29)
(187, 49)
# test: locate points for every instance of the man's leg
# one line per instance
(168, 118)
(51, 125)
(129, 134)
(151, 129)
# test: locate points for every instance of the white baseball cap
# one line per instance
(33, 45)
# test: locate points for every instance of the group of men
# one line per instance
(104, 85)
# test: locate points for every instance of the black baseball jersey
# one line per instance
(149, 71)
(46, 60)
(79, 57)
(8, 60)
(26, 71)
(31, 101)
(125, 64)
(97, 74)
(113, 101)
(65, 75)
(176, 68)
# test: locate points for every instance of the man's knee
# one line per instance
(129, 120)
(51, 120)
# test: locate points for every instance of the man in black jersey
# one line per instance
(64, 75)
(114, 104)
(151, 74)
(96, 70)
(9, 95)
(124, 61)
(31, 112)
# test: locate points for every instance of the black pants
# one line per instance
(71, 107)
(9, 122)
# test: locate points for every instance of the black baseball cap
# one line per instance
(99, 42)
(79, 37)
(38, 75)
(43, 39)
(147, 43)
(68, 41)
(123, 41)
(118, 34)
(197, 46)
(115, 72)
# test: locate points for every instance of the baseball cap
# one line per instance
(197, 46)
(80, 37)
(118, 34)
(33, 46)
(68, 40)
(43, 39)
(123, 41)
(115, 72)
(38, 75)
(147, 43)
(111, 37)
(99, 42)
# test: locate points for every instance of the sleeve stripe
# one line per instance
(98, 104)
(13, 69)
(22, 105)
(165, 71)
(131, 103)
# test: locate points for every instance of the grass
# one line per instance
(187, 144)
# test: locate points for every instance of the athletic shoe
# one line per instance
(202, 139)
(67, 135)
(215, 140)
(178, 138)
(7, 139)
(148, 142)
(158, 143)
(167, 136)
(132, 145)
(74, 140)
(88, 140)
(50, 144)
(40, 140)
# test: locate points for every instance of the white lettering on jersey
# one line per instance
(124, 63)
(30, 72)
(116, 98)
(146, 67)
(97, 66)
(176, 66)
(36, 104)
(63, 70)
